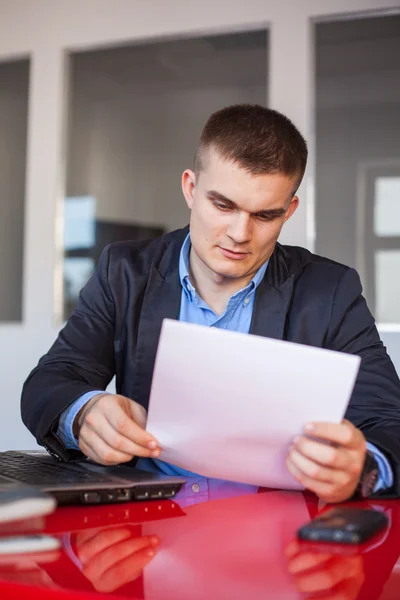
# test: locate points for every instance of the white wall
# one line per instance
(46, 30)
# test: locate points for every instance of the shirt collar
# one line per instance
(184, 261)
(184, 269)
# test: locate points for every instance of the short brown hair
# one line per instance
(258, 139)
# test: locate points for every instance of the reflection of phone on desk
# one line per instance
(344, 526)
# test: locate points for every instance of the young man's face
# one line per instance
(236, 217)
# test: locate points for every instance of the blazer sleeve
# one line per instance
(375, 403)
(80, 360)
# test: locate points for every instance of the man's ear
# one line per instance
(294, 203)
(188, 186)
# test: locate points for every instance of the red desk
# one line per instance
(235, 548)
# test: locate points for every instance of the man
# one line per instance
(228, 272)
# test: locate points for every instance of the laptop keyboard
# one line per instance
(43, 470)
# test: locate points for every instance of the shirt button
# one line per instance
(195, 488)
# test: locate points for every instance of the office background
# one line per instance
(101, 106)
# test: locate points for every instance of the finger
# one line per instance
(343, 433)
(292, 549)
(127, 427)
(343, 591)
(100, 425)
(110, 556)
(340, 569)
(317, 472)
(307, 561)
(326, 491)
(90, 453)
(138, 414)
(347, 589)
(96, 449)
(125, 571)
(329, 456)
(84, 536)
(99, 542)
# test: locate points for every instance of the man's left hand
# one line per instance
(328, 459)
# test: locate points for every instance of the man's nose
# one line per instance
(240, 228)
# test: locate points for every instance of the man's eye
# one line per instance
(266, 217)
(221, 206)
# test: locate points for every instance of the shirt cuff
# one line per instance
(385, 476)
(67, 418)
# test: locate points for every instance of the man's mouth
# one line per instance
(232, 254)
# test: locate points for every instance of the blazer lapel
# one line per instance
(273, 297)
(161, 301)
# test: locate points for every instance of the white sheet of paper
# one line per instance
(227, 405)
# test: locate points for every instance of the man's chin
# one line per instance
(229, 271)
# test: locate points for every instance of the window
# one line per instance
(14, 84)
(379, 215)
(357, 200)
(136, 114)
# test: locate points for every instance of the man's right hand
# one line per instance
(110, 430)
(113, 557)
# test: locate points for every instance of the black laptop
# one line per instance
(84, 482)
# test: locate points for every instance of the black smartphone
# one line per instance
(344, 526)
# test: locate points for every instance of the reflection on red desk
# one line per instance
(239, 547)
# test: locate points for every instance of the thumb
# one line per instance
(138, 413)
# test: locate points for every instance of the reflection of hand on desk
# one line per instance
(113, 557)
(323, 574)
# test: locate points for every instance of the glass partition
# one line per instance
(14, 85)
(136, 113)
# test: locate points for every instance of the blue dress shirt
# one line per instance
(236, 317)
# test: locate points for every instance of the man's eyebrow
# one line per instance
(271, 212)
(214, 195)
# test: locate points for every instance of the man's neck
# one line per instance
(214, 289)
